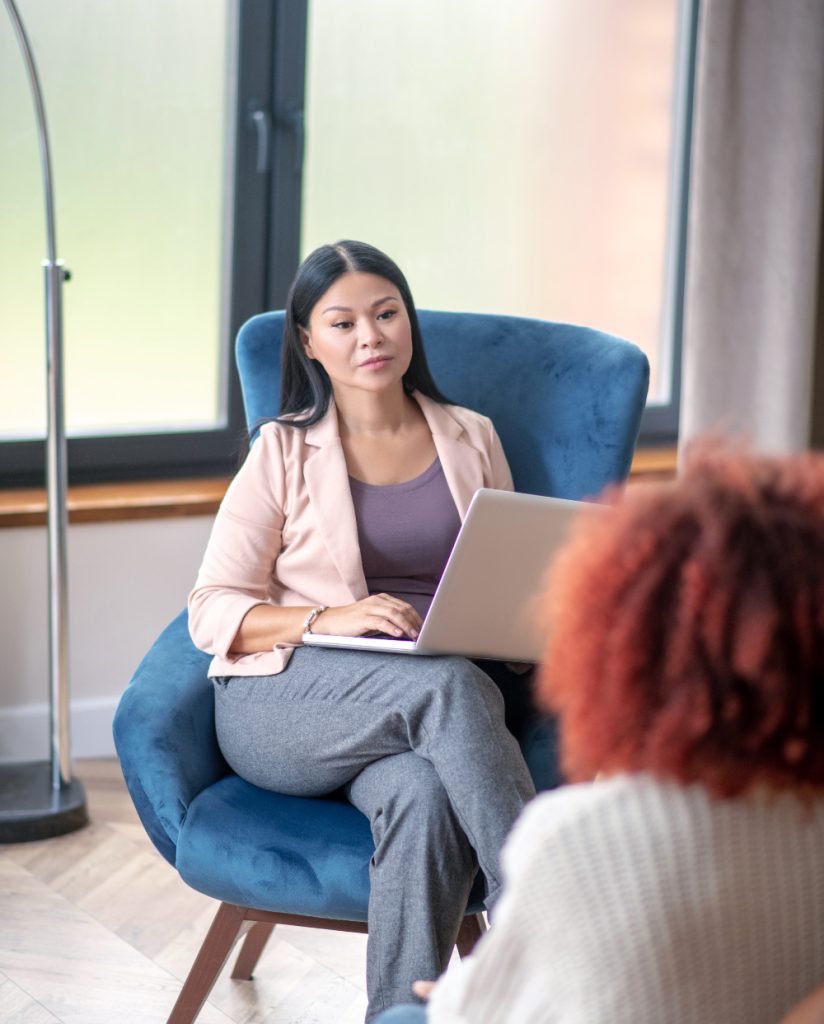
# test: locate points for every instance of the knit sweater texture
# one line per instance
(630, 901)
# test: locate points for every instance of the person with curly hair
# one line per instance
(686, 662)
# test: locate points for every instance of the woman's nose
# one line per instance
(369, 334)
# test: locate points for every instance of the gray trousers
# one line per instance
(421, 748)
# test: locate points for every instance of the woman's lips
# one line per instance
(376, 363)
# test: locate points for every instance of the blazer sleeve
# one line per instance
(244, 545)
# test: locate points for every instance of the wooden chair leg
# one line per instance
(229, 924)
(253, 944)
(472, 928)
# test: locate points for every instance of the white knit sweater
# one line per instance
(633, 902)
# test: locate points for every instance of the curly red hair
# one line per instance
(687, 627)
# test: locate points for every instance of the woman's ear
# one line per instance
(306, 341)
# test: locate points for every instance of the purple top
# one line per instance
(406, 532)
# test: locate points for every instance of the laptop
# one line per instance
(486, 604)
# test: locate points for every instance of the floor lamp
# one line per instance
(40, 799)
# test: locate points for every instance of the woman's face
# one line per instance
(359, 331)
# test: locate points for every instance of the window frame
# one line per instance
(659, 423)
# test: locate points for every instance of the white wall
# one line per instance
(127, 580)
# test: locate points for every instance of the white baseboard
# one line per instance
(24, 730)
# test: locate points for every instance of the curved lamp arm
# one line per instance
(56, 478)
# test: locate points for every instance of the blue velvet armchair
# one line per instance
(567, 403)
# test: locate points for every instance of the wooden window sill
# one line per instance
(650, 464)
(200, 496)
(103, 503)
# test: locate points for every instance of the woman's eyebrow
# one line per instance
(348, 309)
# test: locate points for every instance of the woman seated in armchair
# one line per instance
(686, 661)
(340, 521)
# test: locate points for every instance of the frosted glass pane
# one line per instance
(137, 98)
(512, 157)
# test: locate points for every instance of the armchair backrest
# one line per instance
(565, 400)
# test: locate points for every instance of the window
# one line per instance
(159, 203)
(520, 158)
(139, 160)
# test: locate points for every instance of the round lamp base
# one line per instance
(30, 809)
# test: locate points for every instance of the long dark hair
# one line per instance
(305, 385)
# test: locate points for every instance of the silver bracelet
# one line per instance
(310, 618)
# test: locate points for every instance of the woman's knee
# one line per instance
(423, 792)
(465, 690)
(399, 787)
(407, 805)
(457, 675)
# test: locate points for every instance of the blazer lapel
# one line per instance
(327, 482)
(461, 462)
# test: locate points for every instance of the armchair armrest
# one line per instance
(164, 733)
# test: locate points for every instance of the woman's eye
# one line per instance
(387, 314)
(342, 324)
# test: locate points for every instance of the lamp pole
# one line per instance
(40, 799)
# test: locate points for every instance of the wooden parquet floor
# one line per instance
(96, 928)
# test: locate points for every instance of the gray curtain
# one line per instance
(753, 302)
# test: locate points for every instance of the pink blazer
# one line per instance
(285, 533)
